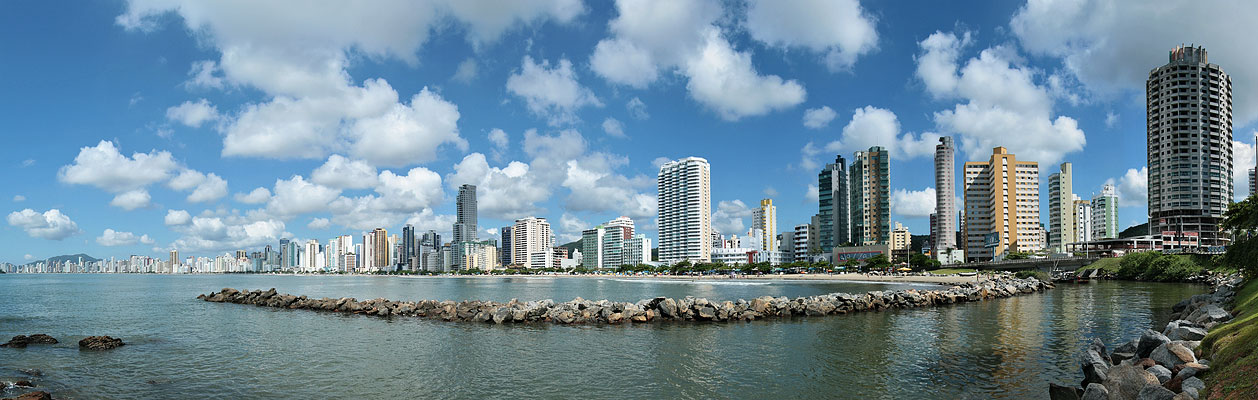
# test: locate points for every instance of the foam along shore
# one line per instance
(581, 311)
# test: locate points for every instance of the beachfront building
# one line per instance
(833, 205)
(943, 225)
(765, 219)
(685, 210)
(870, 180)
(1002, 207)
(1061, 211)
(1104, 210)
(532, 244)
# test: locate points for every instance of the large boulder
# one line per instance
(100, 343)
(1149, 341)
(1171, 354)
(21, 341)
(1154, 392)
(1193, 386)
(1125, 381)
(1209, 313)
(1184, 330)
(668, 308)
(1125, 351)
(1095, 391)
(1059, 392)
(1161, 372)
(1094, 364)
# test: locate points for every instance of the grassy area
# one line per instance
(1231, 351)
(1108, 265)
(1155, 266)
(950, 271)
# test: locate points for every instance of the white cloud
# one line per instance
(466, 71)
(205, 187)
(504, 193)
(131, 200)
(295, 196)
(319, 224)
(493, 232)
(817, 118)
(420, 188)
(594, 187)
(407, 135)
(28, 162)
(343, 173)
(499, 139)
(552, 93)
(987, 116)
(28, 257)
(177, 217)
(637, 109)
(837, 29)
(1110, 46)
(115, 238)
(51, 224)
(683, 36)
(770, 192)
(145, 239)
(569, 228)
(613, 127)
(1111, 119)
(213, 234)
(728, 218)
(1243, 161)
(659, 162)
(871, 126)
(812, 194)
(192, 114)
(205, 74)
(105, 167)
(17, 198)
(724, 80)
(913, 203)
(1133, 188)
(256, 196)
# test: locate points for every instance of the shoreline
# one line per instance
(850, 277)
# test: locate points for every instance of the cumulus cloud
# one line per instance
(131, 200)
(499, 139)
(296, 196)
(637, 109)
(1133, 188)
(319, 224)
(913, 203)
(984, 117)
(256, 196)
(839, 30)
(594, 187)
(205, 187)
(113, 238)
(214, 234)
(817, 118)
(193, 114)
(106, 168)
(613, 127)
(343, 173)
(505, 193)
(1243, 161)
(1110, 46)
(648, 38)
(552, 93)
(466, 71)
(812, 194)
(408, 134)
(177, 217)
(728, 218)
(51, 224)
(871, 126)
(205, 74)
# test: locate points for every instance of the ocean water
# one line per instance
(180, 347)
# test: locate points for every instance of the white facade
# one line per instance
(801, 242)
(1083, 220)
(945, 224)
(637, 250)
(765, 219)
(685, 210)
(532, 244)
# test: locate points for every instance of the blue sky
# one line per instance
(137, 127)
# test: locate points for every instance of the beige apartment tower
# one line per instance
(1061, 209)
(765, 219)
(1002, 207)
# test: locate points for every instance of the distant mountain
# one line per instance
(916, 242)
(574, 246)
(64, 258)
(1138, 230)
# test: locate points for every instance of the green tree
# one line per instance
(877, 263)
(1241, 219)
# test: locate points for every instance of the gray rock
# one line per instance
(668, 308)
(1059, 392)
(1194, 383)
(1171, 354)
(1149, 341)
(1094, 366)
(1161, 372)
(1095, 391)
(1187, 333)
(1125, 381)
(1155, 392)
(1190, 393)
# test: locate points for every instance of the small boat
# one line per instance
(967, 273)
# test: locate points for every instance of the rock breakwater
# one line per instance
(1156, 365)
(581, 311)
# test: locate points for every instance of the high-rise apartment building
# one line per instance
(1061, 209)
(1105, 213)
(408, 259)
(1253, 172)
(1082, 214)
(604, 246)
(380, 250)
(833, 205)
(532, 243)
(637, 250)
(1002, 206)
(944, 222)
(1189, 149)
(685, 210)
(765, 219)
(465, 214)
(504, 234)
(801, 241)
(870, 180)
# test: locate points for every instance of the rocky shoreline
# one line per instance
(1156, 365)
(581, 311)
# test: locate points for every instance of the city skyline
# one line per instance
(166, 155)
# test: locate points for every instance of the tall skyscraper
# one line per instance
(1002, 206)
(833, 203)
(870, 180)
(1190, 149)
(532, 243)
(408, 257)
(765, 219)
(1082, 215)
(505, 238)
(685, 210)
(465, 214)
(1105, 213)
(944, 226)
(380, 250)
(1061, 209)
